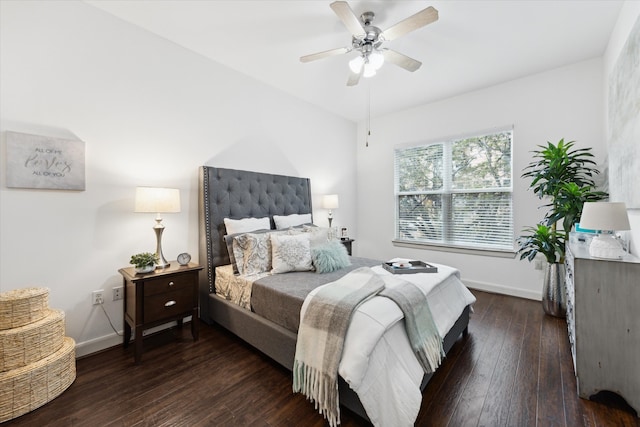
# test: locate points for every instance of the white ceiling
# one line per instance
(474, 44)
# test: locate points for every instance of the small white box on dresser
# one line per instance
(603, 320)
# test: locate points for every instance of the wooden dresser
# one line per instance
(603, 318)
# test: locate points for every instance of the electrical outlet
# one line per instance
(118, 293)
(97, 297)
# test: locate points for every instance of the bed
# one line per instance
(228, 193)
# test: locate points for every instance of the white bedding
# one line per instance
(377, 360)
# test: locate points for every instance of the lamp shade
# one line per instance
(330, 201)
(158, 200)
(356, 64)
(607, 216)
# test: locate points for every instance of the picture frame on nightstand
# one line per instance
(343, 233)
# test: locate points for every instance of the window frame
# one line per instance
(447, 192)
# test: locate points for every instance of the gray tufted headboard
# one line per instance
(230, 193)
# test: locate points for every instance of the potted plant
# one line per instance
(144, 262)
(564, 176)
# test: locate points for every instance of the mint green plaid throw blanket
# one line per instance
(324, 320)
(423, 334)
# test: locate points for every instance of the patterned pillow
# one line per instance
(290, 253)
(330, 257)
(234, 251)
(253, 252)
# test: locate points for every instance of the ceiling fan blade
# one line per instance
(325, 54)
(348, 18)
(419, 20)
(401, 60)
(354, 78)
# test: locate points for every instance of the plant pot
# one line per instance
(554, 293)
(145, 269)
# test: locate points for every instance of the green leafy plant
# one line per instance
(144, 259)
(542, 239)
(564, 176)
(569, 202)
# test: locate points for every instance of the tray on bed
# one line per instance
(413, 267)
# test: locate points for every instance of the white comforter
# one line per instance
(377, 360)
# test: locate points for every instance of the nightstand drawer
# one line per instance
(167, 304)
(167, 284)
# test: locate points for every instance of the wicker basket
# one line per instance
(22, 306)
(24, 389)
(30, 343)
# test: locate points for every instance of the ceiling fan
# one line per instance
(367, 39)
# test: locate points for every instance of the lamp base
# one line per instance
(606, 246)
(159, 228)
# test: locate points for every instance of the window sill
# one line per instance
(455, 249)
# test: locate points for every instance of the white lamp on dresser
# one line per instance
(605, 218)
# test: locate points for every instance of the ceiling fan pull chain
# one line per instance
(368, 115)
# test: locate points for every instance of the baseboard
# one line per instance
(95, 345)
(503, 290)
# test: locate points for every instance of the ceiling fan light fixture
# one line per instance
(369, 70)
(356, 64)
(376, 59)
(367, 40)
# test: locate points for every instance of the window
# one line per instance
(456, 193)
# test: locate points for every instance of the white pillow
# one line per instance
(290, 253)
(292, 220)
(246, 225)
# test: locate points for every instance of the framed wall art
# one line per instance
(43, 162)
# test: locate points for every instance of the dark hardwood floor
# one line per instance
(513, 369)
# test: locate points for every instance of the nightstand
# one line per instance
(162, 296)
(347, 244)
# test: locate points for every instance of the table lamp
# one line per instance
(605, 218)
(330, 201)
(158, 200)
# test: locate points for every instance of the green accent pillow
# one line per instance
(329, 257)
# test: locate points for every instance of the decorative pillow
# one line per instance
(290, 253)
(283, 222)
(246, 225)
(236, 256)
(330, 257)
(317, 235)
(255, 252)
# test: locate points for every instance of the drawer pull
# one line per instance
(169, 303)
(170, 283)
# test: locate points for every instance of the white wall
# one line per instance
(629, 15)
(150, 113)
(562, 103)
